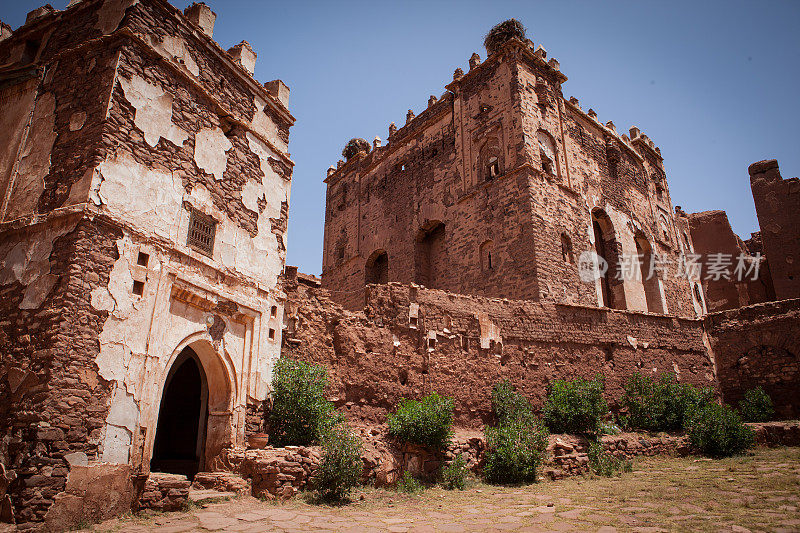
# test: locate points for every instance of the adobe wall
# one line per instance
(434, 170)
(129, 118)
(777, 205)
(410, 341)
(712, 234)
(759, 345)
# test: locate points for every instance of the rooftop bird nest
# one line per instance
(502, 33)
(353, 147)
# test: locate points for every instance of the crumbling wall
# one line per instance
(777, 204)
(410, 341)
(759, 345)
(57, 401)
(120, 119)
(712, 234)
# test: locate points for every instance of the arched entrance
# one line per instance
(606, 246)
(652, 289)
(179, 444)
(377, 268)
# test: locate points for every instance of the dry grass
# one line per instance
(760, 491)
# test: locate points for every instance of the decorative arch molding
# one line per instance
(223, 389)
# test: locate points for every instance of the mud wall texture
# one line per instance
(492, 191)
(777, 204)
(122, 123)
(712, 234)
(759, 345)
(410, 341)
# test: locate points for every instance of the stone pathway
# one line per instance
(750, 493)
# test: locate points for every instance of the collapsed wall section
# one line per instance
(759, 345)
(410, 341)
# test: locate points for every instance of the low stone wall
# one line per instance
(273, 472)
(777, 433)
(164, 492)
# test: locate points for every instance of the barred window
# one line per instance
(202, 229)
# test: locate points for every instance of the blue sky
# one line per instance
(713, 83)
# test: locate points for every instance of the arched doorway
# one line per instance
(377, 268)
(179, 444)
(652, 289)
(605, 246)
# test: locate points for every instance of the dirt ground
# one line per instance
(756, 492)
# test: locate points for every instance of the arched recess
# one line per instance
(197, 392)
(650, 283)
(548, 153)
(607, 247)
(567, 253)
(376, 270)
(430, 256)
(489, 160)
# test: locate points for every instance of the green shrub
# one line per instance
(756, 406)
(514, 451)
(454, 475)
(575, 406)
(516, 445)
(510, 405)
(341, 466)
(662, 404)
(408, 483)
(718, 431)
(300, 413)
(603, 463)
(427, 422)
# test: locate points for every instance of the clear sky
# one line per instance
(714, 84)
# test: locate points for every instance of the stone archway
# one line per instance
(179, 443)
(195, 413)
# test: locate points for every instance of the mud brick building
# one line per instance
(144, 181)
(754, 324)
(496, 188)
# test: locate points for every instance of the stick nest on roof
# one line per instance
(502, 33)
(353, 147)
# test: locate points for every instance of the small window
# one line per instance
(487, 261)
(271, 334)
(142, 259)
(567, 254)
(273, 311)
(202, 230)
(494, 168)
(138, 288)
(547, 153)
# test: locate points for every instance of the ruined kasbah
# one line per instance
(502, 233)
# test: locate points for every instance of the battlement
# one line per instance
(26, 44)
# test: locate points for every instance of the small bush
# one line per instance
(756, 406)
(603, 463)
(718, 431)
(514, 451)
(408, 483)
(663, 404)
(575, 406)
(300, 413)
(509, 405)
(428, 422)
(341, 466)
(454, 475)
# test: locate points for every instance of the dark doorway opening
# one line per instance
(377, 268)
(600, 249)
(180, 434)
(430, 256)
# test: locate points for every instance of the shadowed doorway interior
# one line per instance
(180, 435)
